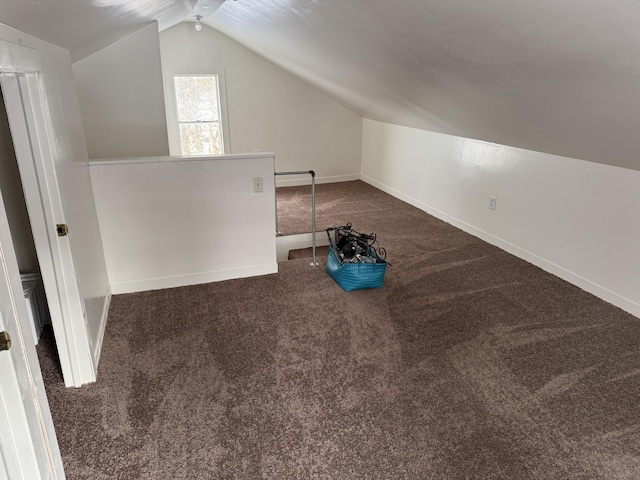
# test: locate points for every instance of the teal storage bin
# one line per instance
(367, 273)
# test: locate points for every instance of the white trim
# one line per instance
(194, 158)
(171, 107)
(587, 285)
(16, 444)
(18, 58)
(295, 180)
(27, 436)
(97, 348)
(193, 279)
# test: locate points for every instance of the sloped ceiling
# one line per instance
(557, 76)
(85, 26)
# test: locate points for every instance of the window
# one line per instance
(198, 114)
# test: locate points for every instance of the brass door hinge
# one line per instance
(62, 229)
(5, 341)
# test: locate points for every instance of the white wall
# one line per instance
(121, 97)
(576, 219)
(174, 221)
(71, 162)
(14, 203)
(269, 109)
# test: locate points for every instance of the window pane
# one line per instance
(197, 98)
(200, 138)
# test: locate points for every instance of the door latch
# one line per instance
(62, 229)
(5, 341)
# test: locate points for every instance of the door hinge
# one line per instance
(62, 229)
(5, 341)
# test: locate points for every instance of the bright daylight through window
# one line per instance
(198, 105)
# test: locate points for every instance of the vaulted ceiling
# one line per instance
(557, 76)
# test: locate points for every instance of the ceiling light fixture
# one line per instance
(198, 24)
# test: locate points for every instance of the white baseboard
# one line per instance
(295, 242)
(194, 279)
(587, 285)
(294, 181)
(97, 347)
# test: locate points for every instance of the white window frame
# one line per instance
(171, 106)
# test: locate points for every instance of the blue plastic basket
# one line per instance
(355, 276)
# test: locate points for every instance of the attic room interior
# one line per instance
(492, 149)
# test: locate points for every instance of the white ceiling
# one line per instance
(558, 76)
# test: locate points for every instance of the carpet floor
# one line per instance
(468, 364)
(336, 204)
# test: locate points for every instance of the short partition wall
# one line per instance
(175, 221)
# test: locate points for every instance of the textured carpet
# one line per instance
(336, 204)
(468, 364)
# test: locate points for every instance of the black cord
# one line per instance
(353, 246)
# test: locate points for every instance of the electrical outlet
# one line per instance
(492, 202)
(258, 185)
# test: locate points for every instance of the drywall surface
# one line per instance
(576, 219)
(71, 162)
(268, 109)
(174, 221)
(14, 202)
(121, 97)
(552, 76)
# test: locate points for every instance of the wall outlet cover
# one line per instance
(258, 184)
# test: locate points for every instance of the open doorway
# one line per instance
(21, 233)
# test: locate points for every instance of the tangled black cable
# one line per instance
(353, 246)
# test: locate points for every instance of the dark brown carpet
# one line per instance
(336, 204)
(468, 364)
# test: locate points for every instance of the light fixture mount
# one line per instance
(198, 24)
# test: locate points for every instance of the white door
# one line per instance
(28, 445)
(26, 114)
